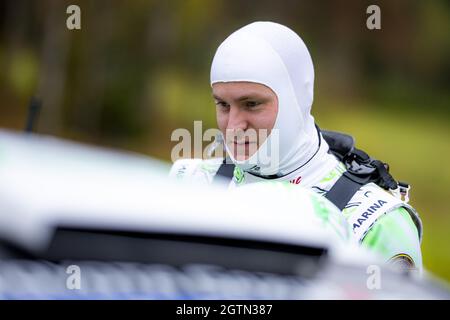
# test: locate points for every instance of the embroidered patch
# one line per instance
(238, 175)
(402, 262)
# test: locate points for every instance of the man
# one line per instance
(262, 80)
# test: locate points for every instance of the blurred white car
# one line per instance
(79, 222)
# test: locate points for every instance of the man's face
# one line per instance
(246, 113)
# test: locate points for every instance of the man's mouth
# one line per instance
(241, 143)
(242, 149)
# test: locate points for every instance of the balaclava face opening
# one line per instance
(273, 55)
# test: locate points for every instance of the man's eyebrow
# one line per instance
(246, 97)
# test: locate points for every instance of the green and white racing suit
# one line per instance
(380, 221)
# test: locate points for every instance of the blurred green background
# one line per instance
(137, 70)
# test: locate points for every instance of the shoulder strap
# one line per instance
(361, 169)
(226, 170)
(343, 190)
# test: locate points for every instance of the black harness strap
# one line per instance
(226, 170)
(343, 190)
(361, 169)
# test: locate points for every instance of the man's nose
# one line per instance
(237, 119)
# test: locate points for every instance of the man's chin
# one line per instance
(244, 154)
(243, 157)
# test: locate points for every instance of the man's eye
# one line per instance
(251, 104)
(222, 104)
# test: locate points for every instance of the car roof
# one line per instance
(47, 182)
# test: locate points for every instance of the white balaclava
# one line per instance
(271, 54)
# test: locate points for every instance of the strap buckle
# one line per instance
(358, 163)
(402, 191)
